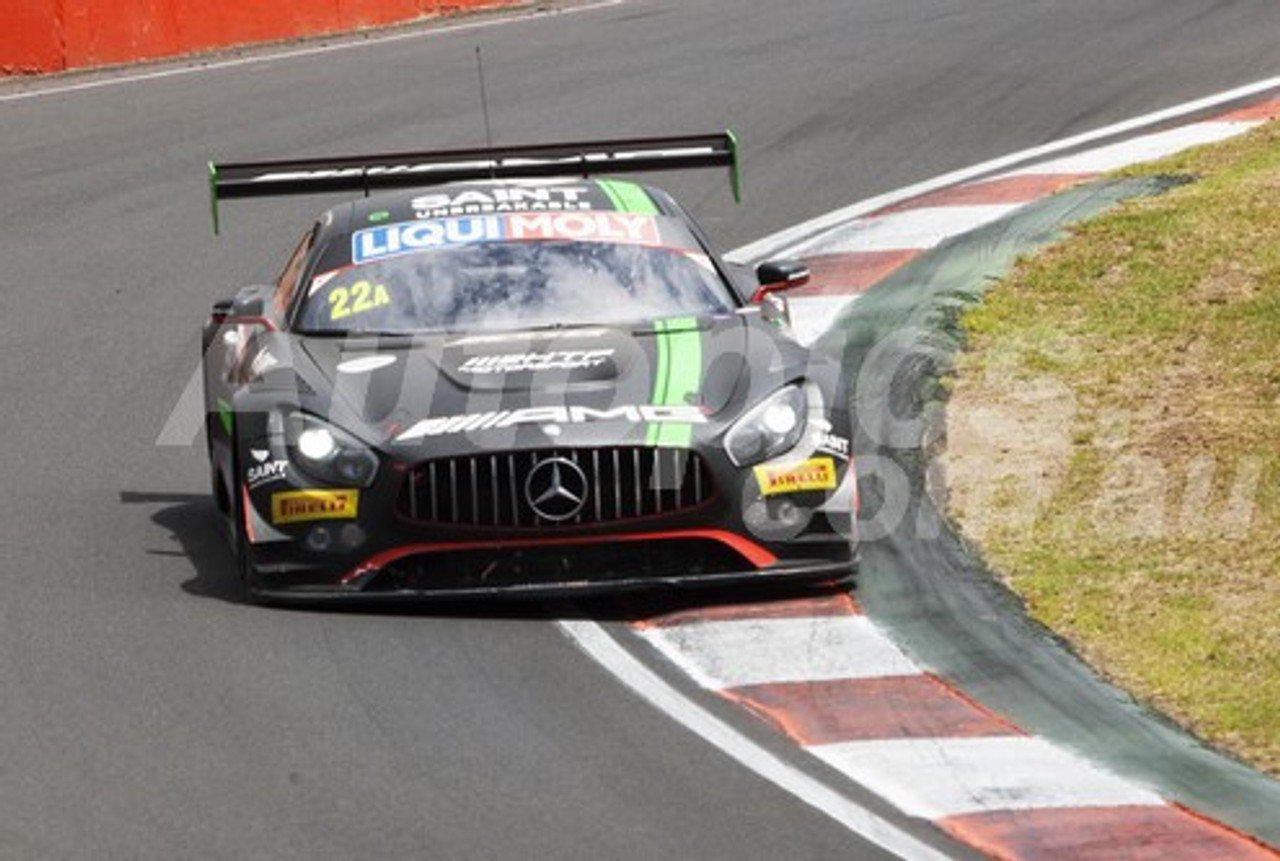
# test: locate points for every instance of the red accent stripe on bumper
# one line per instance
(246, 514)
(749, 550)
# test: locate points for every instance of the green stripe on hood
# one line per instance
(677, 377)
(628, 197)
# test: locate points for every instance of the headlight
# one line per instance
(328, 454)
(772, 427)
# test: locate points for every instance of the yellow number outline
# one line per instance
(356, 299)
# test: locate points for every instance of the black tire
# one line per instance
(246, 575)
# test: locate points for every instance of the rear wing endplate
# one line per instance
(416, 169)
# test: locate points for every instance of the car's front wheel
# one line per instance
(246, 574)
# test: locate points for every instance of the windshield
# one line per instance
(450, 277)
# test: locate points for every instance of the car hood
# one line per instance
(661, 382)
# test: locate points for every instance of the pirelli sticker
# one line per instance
(817, 473)
(300, 506)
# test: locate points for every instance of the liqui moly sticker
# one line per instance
(393, 240)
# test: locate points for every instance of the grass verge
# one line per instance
(1114, 441)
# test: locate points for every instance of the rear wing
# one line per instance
(417, 169)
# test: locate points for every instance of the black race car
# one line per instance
(509, 377)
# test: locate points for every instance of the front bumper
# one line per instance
(570, 566)
(712, 525)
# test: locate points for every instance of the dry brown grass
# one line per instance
(1114, 442)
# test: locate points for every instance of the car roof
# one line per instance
(340, 225)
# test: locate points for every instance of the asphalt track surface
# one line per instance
(146, 715)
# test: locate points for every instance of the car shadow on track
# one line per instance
(192, 521)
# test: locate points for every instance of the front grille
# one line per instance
(492, 490)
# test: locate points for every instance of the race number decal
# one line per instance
(359, 297)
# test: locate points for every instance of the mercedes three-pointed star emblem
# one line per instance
(556, 489)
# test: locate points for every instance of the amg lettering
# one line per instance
(580, 415)
(679, 414)
(536, 415)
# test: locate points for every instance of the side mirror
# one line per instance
(222, 309)
(774, 275)
(232, 322)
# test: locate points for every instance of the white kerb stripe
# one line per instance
(594, 641)
(910, 229)
(813, 315)
(784, 242)
(933, 778)
(1144, 148)
(759, 651)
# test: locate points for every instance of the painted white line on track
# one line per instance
(592, 639)
(788, 242)
(930, 778)
(730, 654)
(1145, 148)
(268, 56)
(938, 777)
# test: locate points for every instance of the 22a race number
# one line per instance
(359, 297)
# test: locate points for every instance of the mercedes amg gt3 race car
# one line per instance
(498, 373)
